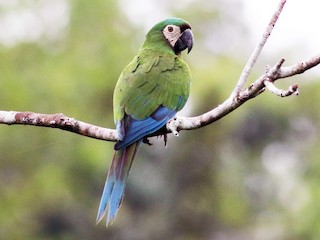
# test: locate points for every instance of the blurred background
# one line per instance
(255, 174)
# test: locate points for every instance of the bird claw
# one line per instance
(165, 139)
(146, 141)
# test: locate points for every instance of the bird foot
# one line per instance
(147, 141)
(165, 139)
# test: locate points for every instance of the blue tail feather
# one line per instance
(115, 184)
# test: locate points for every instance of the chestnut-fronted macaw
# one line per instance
(149, 92)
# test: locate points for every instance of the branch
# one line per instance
(58, 121)
(254, 56)
(256, 88)
(178, 123)
(293, 89)
(236, 99)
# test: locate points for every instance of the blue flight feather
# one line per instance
(137, 129)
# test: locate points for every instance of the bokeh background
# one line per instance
(255, 174)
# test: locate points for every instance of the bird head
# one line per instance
(174, 32)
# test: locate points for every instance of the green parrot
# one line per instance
(149, 92)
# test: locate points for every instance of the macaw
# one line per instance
(149, 92)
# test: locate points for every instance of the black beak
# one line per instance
(185, 41)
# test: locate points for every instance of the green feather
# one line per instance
(156, 76)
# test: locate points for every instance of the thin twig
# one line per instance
(300, 67)
(293, 89)
(254, 56)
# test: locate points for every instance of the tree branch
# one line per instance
(178, 123)
(60, 121)
(293, 89)
(257, 87)
(254, 56)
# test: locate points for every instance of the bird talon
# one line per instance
(146, 141)
(165, 139)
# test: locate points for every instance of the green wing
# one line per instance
(149, 81)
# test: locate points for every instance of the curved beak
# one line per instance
(185, 41)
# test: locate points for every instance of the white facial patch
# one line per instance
(172, 34)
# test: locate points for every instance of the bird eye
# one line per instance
(170, 28)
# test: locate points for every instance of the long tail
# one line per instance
(115, 184)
